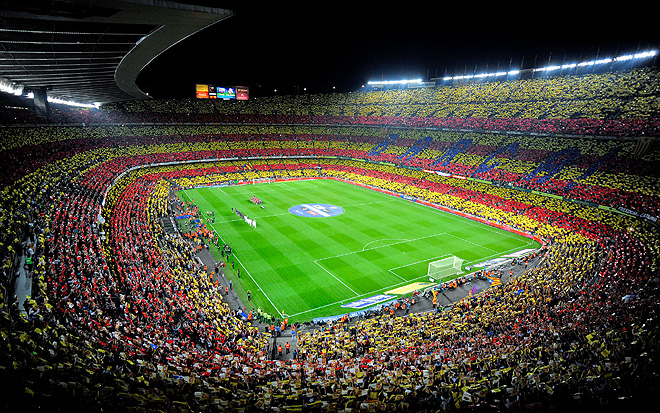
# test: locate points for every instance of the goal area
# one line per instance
(440, 269)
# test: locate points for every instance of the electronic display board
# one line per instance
(226, 92)
(203, 91)
(242, 93)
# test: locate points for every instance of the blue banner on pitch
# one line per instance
(366, 302)
(316, 210)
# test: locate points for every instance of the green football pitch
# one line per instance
(322, 243)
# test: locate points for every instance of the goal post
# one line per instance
(441, 269)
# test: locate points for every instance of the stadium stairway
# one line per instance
(168, 224)
(282, 340)
(23, 283)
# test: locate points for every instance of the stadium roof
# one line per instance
(91, 51)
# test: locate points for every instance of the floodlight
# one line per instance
(624, 58)
(394, 82)
(67, 102)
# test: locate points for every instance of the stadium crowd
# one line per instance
(614, 103)
(121, 318)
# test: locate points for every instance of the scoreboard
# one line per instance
(242, 93)
(204, 91)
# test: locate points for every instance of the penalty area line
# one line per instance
(335, 277)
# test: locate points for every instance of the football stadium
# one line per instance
(470, 242)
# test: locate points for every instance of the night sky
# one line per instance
(306, 48)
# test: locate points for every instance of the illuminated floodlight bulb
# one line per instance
(394, 82)
(642, 55)
(624, 58)
(549, 68)
(67, 102)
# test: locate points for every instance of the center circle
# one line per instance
(316, 210)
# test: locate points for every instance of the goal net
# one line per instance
(438, 270)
